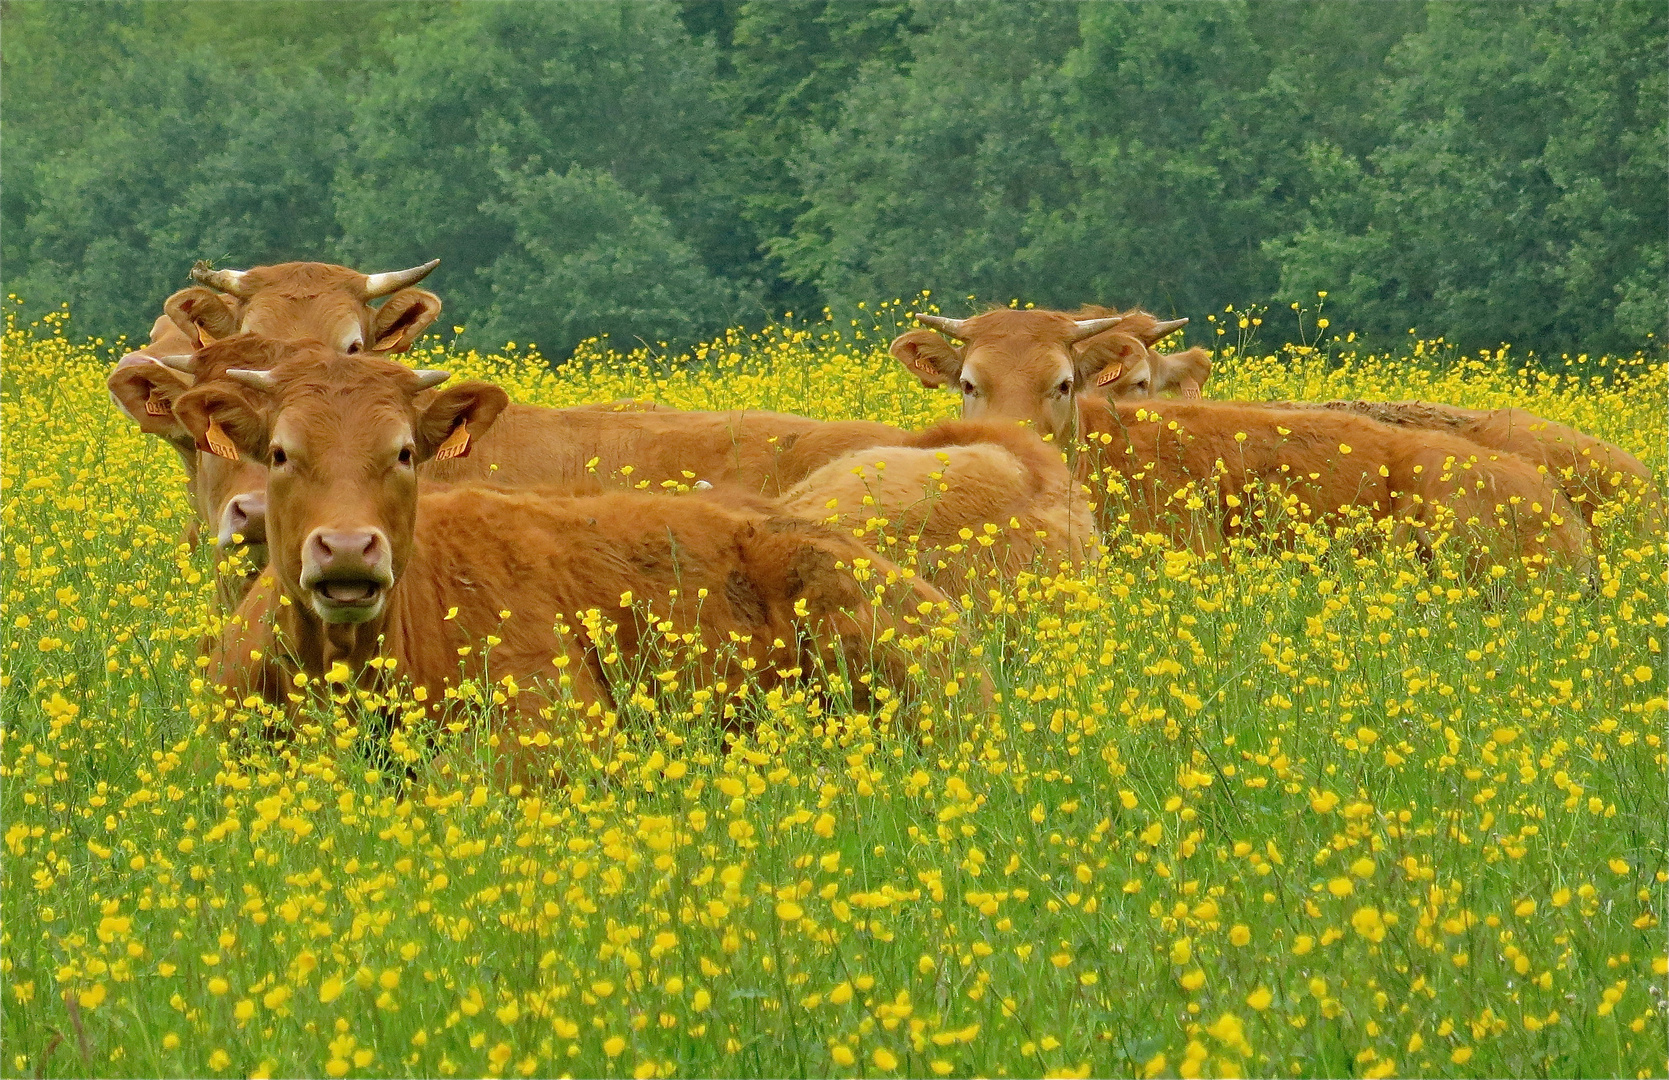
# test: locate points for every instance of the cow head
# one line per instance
(1032, 365)
(341, 438)
(299, 300)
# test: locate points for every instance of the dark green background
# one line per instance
(1490, 171)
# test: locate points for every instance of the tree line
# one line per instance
(657, 171)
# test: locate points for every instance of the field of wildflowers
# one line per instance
(1294, 811)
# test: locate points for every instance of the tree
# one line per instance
(445, 138)
(1517, 191)
(928, 176)
(587, 257)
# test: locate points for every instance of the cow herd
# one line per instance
(416, 535)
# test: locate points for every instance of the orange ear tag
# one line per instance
(219, 444)
(1190, 389)
(924, 366)
(154, 407)
(203, 338)
(456, 444)
(1108, 374)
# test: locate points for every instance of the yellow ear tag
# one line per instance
(219, 444)
(456, 444)
(154, 407)
(1108, 374)
(1190, 389)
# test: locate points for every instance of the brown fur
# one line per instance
(1022, 363)
(528, 445)
(955, 477)
(547, 559)
(1503, 507)
(1591, 471)
(299, 300)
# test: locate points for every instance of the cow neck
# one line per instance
(409, 616)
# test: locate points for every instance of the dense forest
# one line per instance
(1490, 171)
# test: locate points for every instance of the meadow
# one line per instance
(1311, 810)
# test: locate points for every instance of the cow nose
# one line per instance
(246, 516)
(338, 551)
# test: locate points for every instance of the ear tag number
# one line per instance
(153, 407)
(456, 444)
(924, 366)
(219, 444)
(1190, 389)
(1108, 374)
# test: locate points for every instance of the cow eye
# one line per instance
(967, 388)
(1064, 388)
(353, 347)
(405, 455)
(278, 456)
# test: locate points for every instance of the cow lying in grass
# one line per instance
(970, 500)
(365, 566)
(1426, 485)
(1595, 475)
(527, 446)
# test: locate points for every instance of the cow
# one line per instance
(1116, 353)
(1024, 365)
(1593, 473)
(626, 443)
(323, 301)
(970, 502)
(550, 589)
(290, 300)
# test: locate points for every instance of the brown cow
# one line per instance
(1012, 359)
(321, 301)
(624, 443)
(967, 499)
(1110, 352)
(1592, 472)
(366, 565)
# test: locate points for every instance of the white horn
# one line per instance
(1088, 328)
(428, 379)
(181, 364)
(226, 281)
(953, 327)
(1161, 329)
(264, 381)
(382, 284)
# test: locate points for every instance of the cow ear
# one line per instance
(403, 318)
(221, 418)
(1184, 372)
(930, 358)
(1104, 361)
(201, 315)
(146, 392)
(456, 415)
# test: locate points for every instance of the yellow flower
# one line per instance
(884, 1059)
(842, 1055)
(1259, 999)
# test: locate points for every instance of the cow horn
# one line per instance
(1088, 328)
(429, 378)
(953, 327)
(226, 281)
(1163, 328)
(180, 363)
(264, 381)
(382, 284)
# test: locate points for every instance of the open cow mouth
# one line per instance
(348, 600)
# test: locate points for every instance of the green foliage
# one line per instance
(1518, 190)
(1488, 171)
